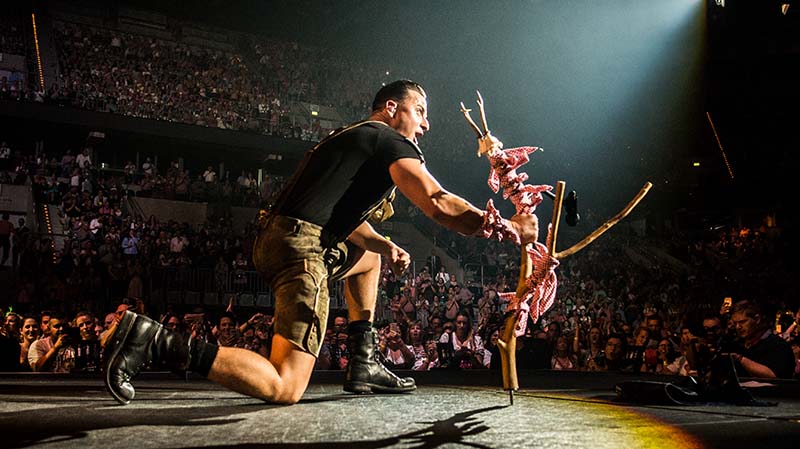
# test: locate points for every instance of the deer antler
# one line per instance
(486, 141)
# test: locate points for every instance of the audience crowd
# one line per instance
(613, 312)
(252, 86)
(11, 35)
(618, 308)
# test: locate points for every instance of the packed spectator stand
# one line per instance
(617, 308)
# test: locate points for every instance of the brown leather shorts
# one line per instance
(289, 254)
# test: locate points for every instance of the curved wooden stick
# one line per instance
(507, 343)
(557, 202)
(507, 346)
(605, 226)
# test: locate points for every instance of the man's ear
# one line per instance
(391, 107)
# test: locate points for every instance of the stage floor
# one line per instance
(575, 410)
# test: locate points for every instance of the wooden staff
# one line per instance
(605, 226)
(507, 343)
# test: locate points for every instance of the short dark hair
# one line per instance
(396, 90)
(621, 338)
(83, 313)
(749, 308)
(227, 314)
(56, 315)
(656, 317)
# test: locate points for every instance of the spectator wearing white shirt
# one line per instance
(95, 226)
(75, 179)
(442, 276)
(84, 160)
(147, 167)
(178, 243)
(467, 345)
(398, 354)
(209, 175)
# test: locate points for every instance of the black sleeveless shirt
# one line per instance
(345, 177)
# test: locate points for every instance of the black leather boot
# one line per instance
(137, 341)
(365, 374)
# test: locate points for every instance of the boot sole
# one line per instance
(368, 388)
(124, 328)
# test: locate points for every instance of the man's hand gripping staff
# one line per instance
(536, 287)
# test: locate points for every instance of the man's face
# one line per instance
(225, 324)
(339, 323)
(436, 324)
(686, 336)
(613, 349)
(745, 326)
(54, 326)
(410, 116)
(85, 324)
(712, 326)
(654, 326)
(45, 324)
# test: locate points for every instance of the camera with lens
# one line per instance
(73, 333)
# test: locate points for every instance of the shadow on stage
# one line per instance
(447, 431)
(62, 424)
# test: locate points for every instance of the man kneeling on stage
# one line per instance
(318, 232)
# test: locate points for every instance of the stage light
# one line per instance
(695, 164)
(784, 8)
(720, 3)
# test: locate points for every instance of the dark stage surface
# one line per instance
(552, 410)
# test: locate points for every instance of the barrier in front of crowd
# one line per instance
(207, 287)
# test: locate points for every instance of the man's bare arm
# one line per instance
(448, 209)
(422, 189)
(366, 238)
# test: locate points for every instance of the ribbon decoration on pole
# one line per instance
(537, 283)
